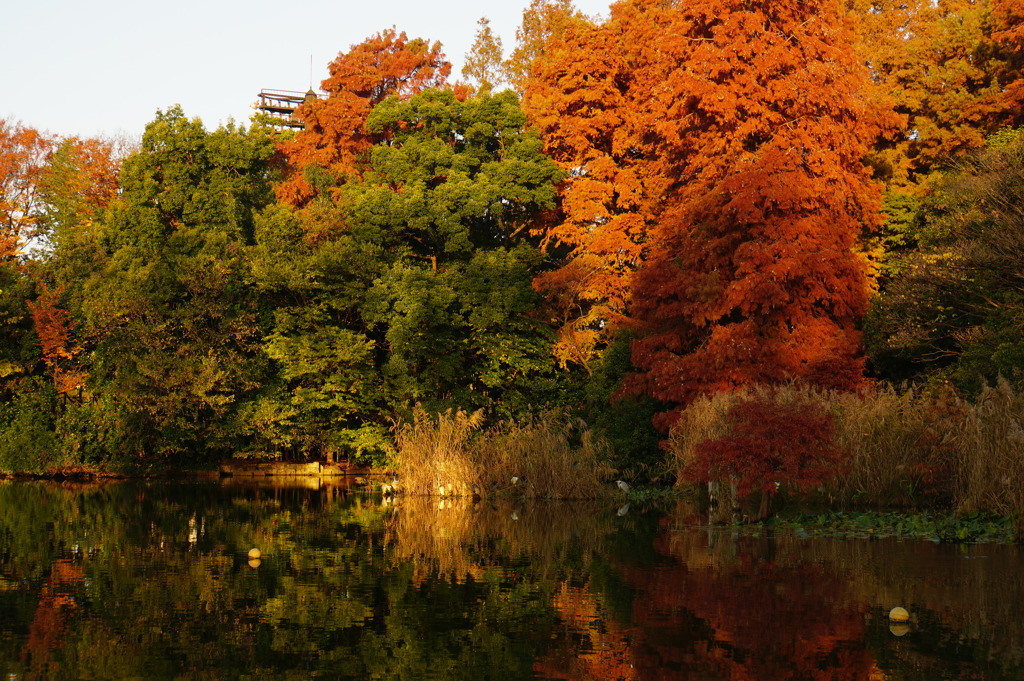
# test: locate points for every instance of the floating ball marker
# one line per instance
(254, 554)
(899, 614)
(255, 563)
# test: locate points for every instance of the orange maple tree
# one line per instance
(330, 146)
(752, 276)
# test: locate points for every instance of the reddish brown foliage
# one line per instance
(753, 276)
(715, 191)
(53, 326)
(1009, 34)
(770, 443)
(334, 140)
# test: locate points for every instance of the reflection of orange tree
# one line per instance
(49, 624)
(723, 613)
(605, 651)
(972, 596)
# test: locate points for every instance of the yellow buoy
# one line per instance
(899, 614)
(255, 563)
(254, 554)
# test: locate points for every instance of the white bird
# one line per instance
(622, 485)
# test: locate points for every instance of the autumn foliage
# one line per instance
(54, 329)
(23, 151)
(770, 443)
(588, 96)
(1009, 35)
(331, 145)
(753, 275)
(686, 201)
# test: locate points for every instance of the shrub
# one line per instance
(769, 444)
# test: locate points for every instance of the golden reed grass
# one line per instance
(902, 448)
(551, 455)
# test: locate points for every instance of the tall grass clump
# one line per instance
(892, 460)
(986, 442)
(550, 455)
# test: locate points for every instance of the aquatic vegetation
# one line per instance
(939, 527)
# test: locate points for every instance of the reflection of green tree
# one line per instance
(167, 591)
(152, 581)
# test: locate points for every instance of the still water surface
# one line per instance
(153, 581)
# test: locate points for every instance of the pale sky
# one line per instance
(103, 67)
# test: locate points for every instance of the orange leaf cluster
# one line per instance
(334, 139)
(53, 326)
(1009, 34)
(22, 156)
(589, 95)
(95, 176)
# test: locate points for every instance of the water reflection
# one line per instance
(155, 581)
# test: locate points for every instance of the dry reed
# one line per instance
(551, 455)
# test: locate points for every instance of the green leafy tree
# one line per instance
(955, 310)
(451, 199)
(173, 325)
(414, 286)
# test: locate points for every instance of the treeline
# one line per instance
(671, 202)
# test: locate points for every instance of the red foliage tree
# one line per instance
(53, 326)
(334, 140)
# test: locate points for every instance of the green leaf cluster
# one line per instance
(953, 310)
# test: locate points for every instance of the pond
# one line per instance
(154, 581)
